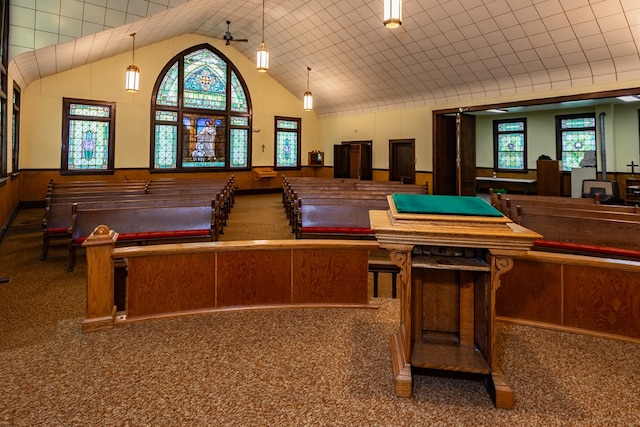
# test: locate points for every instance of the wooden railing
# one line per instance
(178, 279)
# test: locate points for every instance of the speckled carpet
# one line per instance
(280, 367)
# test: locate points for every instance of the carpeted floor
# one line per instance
(281, 367)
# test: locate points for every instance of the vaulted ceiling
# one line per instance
(446, 51)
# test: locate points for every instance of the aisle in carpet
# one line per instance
(257, 217)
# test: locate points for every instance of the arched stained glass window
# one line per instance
(201, 114)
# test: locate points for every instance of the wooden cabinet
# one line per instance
(316, 158)
(632, 191)
(549, 178)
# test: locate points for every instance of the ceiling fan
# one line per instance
(228, 38)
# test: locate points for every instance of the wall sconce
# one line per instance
(392, 17)
(132, 75)
(308, 98)
(262, 59)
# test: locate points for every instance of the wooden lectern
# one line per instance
(451, 251)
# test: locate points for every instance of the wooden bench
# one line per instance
(587, 232)
(143, 224)
(505, 203)
(336, 218)
(57, 218)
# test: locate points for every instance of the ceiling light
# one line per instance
(308, 98)
(132, 75)
(497, 110)
(262, 59)
(629, 98)
(392, 13)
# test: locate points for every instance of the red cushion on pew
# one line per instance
(342, 230)
(608, 250)
(61, 230)
(156, 235)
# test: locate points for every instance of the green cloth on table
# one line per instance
(443, 205)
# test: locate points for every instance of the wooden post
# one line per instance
(101, 310)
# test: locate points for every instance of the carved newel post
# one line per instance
(101, 310)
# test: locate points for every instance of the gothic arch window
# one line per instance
(201, 114)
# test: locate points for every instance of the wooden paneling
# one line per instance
(254, 278)
(9, 198)
(329, 276)
(170, 283)
(531, 291)
(602, 300)
(597, 295)
(440, 296)
(186, 278)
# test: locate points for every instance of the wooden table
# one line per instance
(510, 184)
(450, 265)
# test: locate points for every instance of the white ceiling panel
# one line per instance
(445, 51)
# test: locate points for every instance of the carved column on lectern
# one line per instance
(498, 388)
(101, 310)
(400, 342)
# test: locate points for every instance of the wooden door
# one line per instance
(454, 157)
(366, 161)
(341, 161)
(444, 155)
(402, 165)
(355, 159)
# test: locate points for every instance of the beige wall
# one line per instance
(413, 123)
(41, 113)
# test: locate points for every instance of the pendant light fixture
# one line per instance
(132, 76)
(392, 13)
(308, 98)
(262, 59)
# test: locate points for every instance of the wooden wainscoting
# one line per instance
(177, 279)
(598, 296)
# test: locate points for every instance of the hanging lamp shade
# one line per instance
(262, 57)
(392, 17)
(132, 75)
(307, 101)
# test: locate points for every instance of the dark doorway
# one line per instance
(353, 159)
(454, 154)
(402, 163)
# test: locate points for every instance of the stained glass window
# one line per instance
(197, 125)
(205, 80)
(576, 136)
(168, 91)
(88, 136)
(15, 128)
(287, 143)
(4, 85)
(238, 98)
(510, 144)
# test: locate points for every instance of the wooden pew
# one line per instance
(143, 224)
(336, 218)
(61, 196)
(505, 203)
(587, 232)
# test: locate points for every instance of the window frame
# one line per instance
(298, 133)
(66, 117)
(496, 145)
(560, 131)
(15, 128)
(228, 113)
(4, 82)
